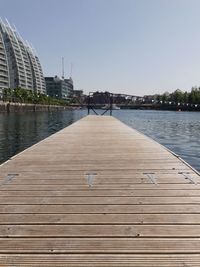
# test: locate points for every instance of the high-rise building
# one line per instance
(19, 64)
(59, 88)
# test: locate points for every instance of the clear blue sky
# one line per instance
(127, 46)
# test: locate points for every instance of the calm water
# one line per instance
(179, 131)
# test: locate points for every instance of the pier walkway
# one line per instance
(99, 193)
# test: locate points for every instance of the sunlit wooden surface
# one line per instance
(99, 193)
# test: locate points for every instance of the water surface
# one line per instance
(178, 131)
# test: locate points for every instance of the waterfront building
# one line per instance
(70, 87)
(59, 88)
(19, 64)
(78, 93)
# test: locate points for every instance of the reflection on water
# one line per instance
(21, 130)
(179, 131)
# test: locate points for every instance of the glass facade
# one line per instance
(19, 66)
(59, 88)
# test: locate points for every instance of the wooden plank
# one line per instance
(99, 245)
(101, 260)
(101, 218)
(73, 156)
(90, 165)
(26, 173)
(99, 230)
(153, 200)
(102, 193)
(188, 186)
(95, 209)
(98, 179)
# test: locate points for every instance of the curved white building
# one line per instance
(19, 65)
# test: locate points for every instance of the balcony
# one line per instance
(3, 63)
(3, 74)
(19, 59)
(2, 67)
(2, 55)
(4, 71)
(3, 83)
(3, 79)
(22, 75)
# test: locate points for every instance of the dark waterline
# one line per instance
(178, 131)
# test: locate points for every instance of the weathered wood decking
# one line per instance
(99, 194)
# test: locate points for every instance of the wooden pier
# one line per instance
(99, 193)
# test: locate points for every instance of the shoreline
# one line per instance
(10, 107)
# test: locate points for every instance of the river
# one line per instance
(178, 131)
